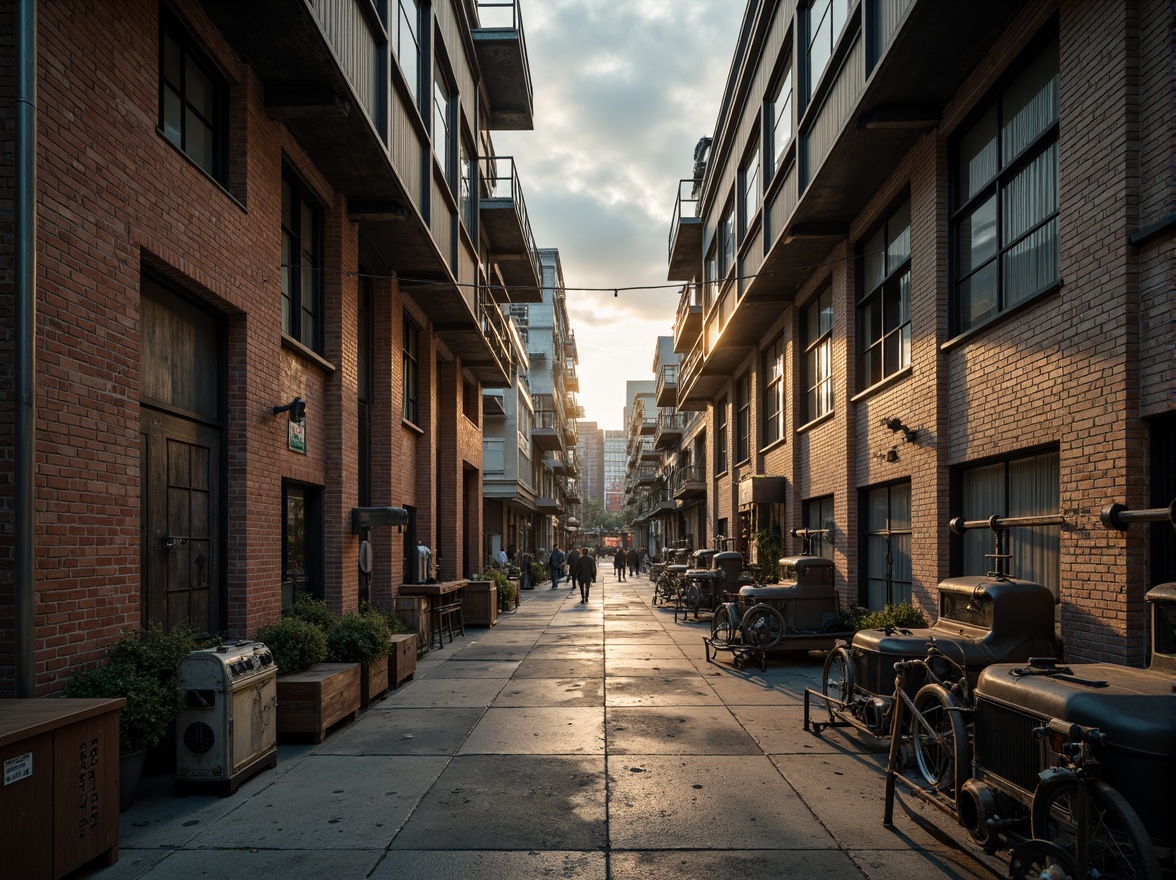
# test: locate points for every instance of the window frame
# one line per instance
(727, 246)
(775, 369)
(444, 115)
(779, 146)
(410, 27)
(722, 453)
(750, 188)
(818, 352)
(410, 372)
(312, 575)
(895, 281)
(743, 418)
(216, 120)
(889, 534)
(296, 276)
(830, 8)
(818, 513)
(1008, 170)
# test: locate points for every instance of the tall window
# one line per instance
(408, 44)
(743, 418)
(721, 436)
(749, 192)
(302, 542)
(442, 124)
(818, 515)
(711, 278)
(826, 19)
(774, 392)
(884, 309)
(192, 100)
(410, 373)
(1026, 486)
(887, 545)
(781, 118)
(1005, 220)
(465, 192)
(727, 241)
(302, 277)
(818, 356)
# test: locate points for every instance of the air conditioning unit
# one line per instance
(226, 730)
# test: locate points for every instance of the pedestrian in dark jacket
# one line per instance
(555, 562)
(619, 564)
(573, 558)
(585, 575)
(633, 558)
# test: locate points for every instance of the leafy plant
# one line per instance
(296, 644)
(903, 615)
(151, 705)
(359, 638)
(395, 623)
(769, 548)
(539, 573)
(313, 611)
(507, 591)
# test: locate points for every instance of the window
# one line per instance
(302, 277)
(743, 418)
(774, 392)
(749, 177)
(721, 436)
(410, 363)
(711, 277)
(408, 45)
(818, 514)
(884, 309)
(727, 241)
(887, 545)
(781, 134)
(465, 191)
(1024, 486)
(1005, 221)
(818, 357)
(442, 123)
(826, 19)
(192, 100)
(302, 543)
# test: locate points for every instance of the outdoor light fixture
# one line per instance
(896, 425)
(296, 408)
(892, 454)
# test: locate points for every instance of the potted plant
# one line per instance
(481, 600)
(403, 649)
(363, 638)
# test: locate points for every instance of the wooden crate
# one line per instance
(316, 700)
(414, 610)
(373, 681)
(480, 605)
(402, 661)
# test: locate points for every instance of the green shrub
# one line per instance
(539, 573)
(507, 591)
(359, 638)
(394, 623)
(312, 610)
(904, 615)
(151, 705)
(296, 644)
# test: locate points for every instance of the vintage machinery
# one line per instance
(670, 580)
(1072, 766)
(227, 724)
(982, 620)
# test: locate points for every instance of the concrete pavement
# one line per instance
(579, 741)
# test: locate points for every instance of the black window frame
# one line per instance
(297, 275)
(302, 509)
(411, 29)
(216, 119)
(813, 348)
(775, 369)
(722, 453)
(743, 418)
(888, 534)
(410, 372)
(878, 338)
(817, 514)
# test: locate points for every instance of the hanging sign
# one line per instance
(296, 438)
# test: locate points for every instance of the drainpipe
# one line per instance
(25, 290)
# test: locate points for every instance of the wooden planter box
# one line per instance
(373, 681)
(414, 610)
(402, 660)
(480, 606)
(319, 698)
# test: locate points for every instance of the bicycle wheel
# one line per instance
(762, 627)
(693, 597)
(1119, 844)
(1035, 859)
(724, 625)
(837, 678)
(941, 753)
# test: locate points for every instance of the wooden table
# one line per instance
(439, 594)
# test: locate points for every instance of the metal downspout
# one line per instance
(25, 290)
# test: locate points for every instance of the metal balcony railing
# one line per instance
(495, 329)
(500, 180)
(693, 474)
(684, 208)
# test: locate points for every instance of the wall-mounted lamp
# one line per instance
(896, 425)
(891, 454)
(296, 408)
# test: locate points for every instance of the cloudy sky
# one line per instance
(623, 92)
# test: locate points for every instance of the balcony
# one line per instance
(648, 424)
(571, 434)
(548, 505)
(492, 402)
(669, 430)
(688, 319)
(690, 483)
(647, 476)
(572, 493)
(667, 385)
(685, 235)
(570, 349)
(502, 212)
(571, 380)
(546, 433)
(502, 56)
(485, 346)
(647, 452)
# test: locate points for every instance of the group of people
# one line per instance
(581, 567)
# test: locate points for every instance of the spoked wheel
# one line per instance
(1119, 844)
(724, 625)
(940, 745)
(1041, 860)
(693, 597)
(837, 678)
(762, 627)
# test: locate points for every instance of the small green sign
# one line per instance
(296, 439)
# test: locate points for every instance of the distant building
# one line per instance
(590, 451)
(614, 470)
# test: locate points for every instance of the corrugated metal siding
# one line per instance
(843, 96)
(358, 50)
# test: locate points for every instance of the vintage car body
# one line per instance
(806, 597)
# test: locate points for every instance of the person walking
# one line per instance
(619, 564)
(632, 558)
(573, 558)
(555, 563)
(584, 574)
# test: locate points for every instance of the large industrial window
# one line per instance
(1024, 486)
(887, 545)
(443, 124)
(884, 309)
(743, 418)
(818, 516)
(302, 263)
(1005, 197)
(774, 392)
(721, 436)
(826, 20)
(410, 373)
(192, 101)
(818, 356)
(408, 45)
(727, 241)
(749, 191)
(781, 119)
